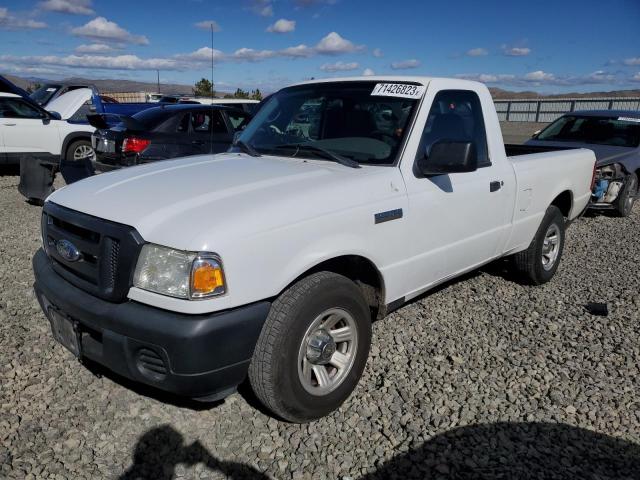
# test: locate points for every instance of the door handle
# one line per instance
(9, 124)
(197, 142)
(495, 185)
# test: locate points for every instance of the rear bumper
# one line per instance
(200, 356)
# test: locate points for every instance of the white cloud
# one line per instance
(206, 25)
(10, 22)
(299, 51)
(477, 52)
(367, 72)
(74, 7)
(202, 55)
(636, 77)
(632, 61)
(103, 30)
(118, 62)
(377, 52)
(339, 67)
(515, 51)
(282, 26)
(334, 44)
(264, 8)
(539, 76)
(405, 64)
(251, 55)
(94, 48)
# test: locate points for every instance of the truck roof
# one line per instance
(423, 80)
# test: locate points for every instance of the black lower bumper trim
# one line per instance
(190, 355)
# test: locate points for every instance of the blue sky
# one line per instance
(547, 46)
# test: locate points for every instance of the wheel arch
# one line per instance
(70, 138)
(564, 202)
(362, 271)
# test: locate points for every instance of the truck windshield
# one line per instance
(613, 131)
(343, 118)
(43, 94)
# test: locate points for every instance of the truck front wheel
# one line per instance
(624, 203)
(539, 262)
(313, 348)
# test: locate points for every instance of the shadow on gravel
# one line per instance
(516, 451)
(162, 449)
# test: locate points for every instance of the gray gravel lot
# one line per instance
(483, 378)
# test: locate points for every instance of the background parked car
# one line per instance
(614, 136)
(166, 132)
(49, 91)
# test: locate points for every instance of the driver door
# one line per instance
(27, 131)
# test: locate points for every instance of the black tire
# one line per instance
(75, 145)
(627, 197)
(530, 262)
(273, 372)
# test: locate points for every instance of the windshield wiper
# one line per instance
(329, 155)
(246, 148)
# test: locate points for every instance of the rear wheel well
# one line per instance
(71, 139)
(362, 272)
(564, 202)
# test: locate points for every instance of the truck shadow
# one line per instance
(516, 451)
(159, 451)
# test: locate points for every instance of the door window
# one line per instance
(17, 108)
(238, 120)
(201, 122)
(456, 115)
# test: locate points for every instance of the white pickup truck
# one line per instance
(342, 200)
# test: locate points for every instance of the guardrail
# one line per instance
(547, 110)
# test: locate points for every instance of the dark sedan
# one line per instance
(614, 136)
(166, 132)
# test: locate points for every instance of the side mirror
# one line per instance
(236, 136)
(55, 116)
(449, 156)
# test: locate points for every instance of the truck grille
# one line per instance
(97, 255)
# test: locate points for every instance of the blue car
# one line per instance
(614, 136)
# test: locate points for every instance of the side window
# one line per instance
(238, 120)
(16, 108)
(201, 122)
(183, 124)
(457, 115)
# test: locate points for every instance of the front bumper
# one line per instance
(197, 356)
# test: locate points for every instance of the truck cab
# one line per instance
(340, 201)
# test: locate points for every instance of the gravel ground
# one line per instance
(483, 378)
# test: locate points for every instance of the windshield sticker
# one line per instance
(51, 89)
(629, 119)
(401, 90)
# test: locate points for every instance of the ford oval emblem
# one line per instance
(68, 250)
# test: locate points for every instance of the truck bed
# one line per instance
(514, 150)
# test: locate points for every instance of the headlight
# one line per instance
(179, 274)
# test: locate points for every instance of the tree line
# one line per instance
(204, 88)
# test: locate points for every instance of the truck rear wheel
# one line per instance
(624, 203)
(539, 262)
(313, 348)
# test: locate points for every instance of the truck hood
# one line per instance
(189, 202)
(605, 154)
(69, 103)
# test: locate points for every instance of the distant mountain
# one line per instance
(108, 85)
(178, 89)
(499, 94)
